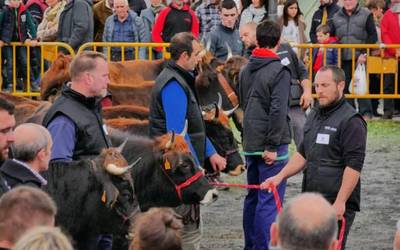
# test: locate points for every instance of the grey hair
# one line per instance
(125, 1)
(294, 236)
(28, 150)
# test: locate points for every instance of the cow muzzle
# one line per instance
(210, 197)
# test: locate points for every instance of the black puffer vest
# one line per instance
(325, 164)
(86, 114)
(196, 128)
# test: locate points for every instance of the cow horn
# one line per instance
(230, 54)
(219, 104)
(229, 112)
(216, 111)
(208, 45)
(121, 147)
(184, 131)
(114, 170)
(169, 143)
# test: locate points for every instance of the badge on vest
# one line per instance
(322, 139)
(105, 129)
(23, 18)
(285, 61)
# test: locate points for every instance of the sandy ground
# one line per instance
(374, 226)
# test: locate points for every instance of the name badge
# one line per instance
(105, 129)
(323, 139)
(285, 61)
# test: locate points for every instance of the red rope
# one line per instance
(278, 203)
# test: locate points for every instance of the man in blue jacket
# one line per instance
(264, 85)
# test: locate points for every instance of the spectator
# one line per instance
(376, 7)
(248, 37)
(149, 15)
(293, 26)
(391, 35)
(170, 108)
(36, 8)
(176, 18)
(396, 243)
(330, 54)
(32, 151)
(21, 209)
(101, 11)
(363, 33)
(137, 6)
(75, 121)
(125, 26)
(333, 150)
(255, 12)
(209, 18)
(17, 29)
(324, 15)
(43, 238)
(315, 225)
(157, 229)
(48, 28)
(264, 86)
(224, 40)
(75, 26)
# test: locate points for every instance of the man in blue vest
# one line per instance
(333, 150)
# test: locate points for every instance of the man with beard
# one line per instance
(323, 15)
(7, 137)
(333, 150)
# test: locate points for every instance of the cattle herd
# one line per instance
(88, 191)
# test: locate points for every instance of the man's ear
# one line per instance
(341, 86)
(274, 234)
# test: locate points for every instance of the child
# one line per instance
(17, 26)
(324, 37)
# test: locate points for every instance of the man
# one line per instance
(264, 85)
(208, 15)
(173, 102)
(315, 225)
(224, 39)
(177, 17)
(21, 209)
(75, 26)
(324, 15)
(125, 26)
(347, 33)
(75, 121)
(248, 36)
(101, 11)
(333, 150)
(32, 151)
(7, 137)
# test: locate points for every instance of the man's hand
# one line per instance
(218, 162)
(1, 43)
(306, 100)
(269, 157)
(362, 59)
(30, 42)
(340, 208)
(274, 180)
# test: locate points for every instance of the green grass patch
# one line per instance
(383, 128)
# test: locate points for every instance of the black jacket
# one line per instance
(328, 150)
(86, 114)
(317, 19)
(264, 85)
(15, 174)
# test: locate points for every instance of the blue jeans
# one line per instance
(259, 206)
(21, 64)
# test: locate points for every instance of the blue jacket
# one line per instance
(141, 35)
(331, 54)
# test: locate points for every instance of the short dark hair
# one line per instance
(22, 208)
(324, 28)
(268, 34)
(7, 106)
(375, 4)
(289, 3)
(337, 73)
(86, 61)
(227, 4)
(180, 43)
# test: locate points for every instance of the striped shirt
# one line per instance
(209, 17)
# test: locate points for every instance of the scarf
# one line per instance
(157, 9)
(52, 11)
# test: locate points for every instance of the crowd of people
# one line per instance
(274, 92)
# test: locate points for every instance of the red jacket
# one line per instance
(390, 31)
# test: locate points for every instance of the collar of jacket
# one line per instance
(90, 102)
(263, 52)
(184, 7)
(326, 111)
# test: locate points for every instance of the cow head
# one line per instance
(221, 135)
(55, 76)
(231, 69)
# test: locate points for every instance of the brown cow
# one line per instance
(131, 125)
(128, 111)
(131, 94)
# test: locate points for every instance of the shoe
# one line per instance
(7, 88)
(35, 88)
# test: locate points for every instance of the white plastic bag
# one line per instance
(359, 81)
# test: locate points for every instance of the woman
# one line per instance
(255, 12)
(48, 28)
(293, 26)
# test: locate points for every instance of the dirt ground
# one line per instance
(374, 226)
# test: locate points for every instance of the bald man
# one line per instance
(303, 226)
(248, 36)
(32, 151)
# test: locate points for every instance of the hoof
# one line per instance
(237, 171)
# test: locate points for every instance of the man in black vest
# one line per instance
(173, 102)
(75, 121)
(333, 151)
